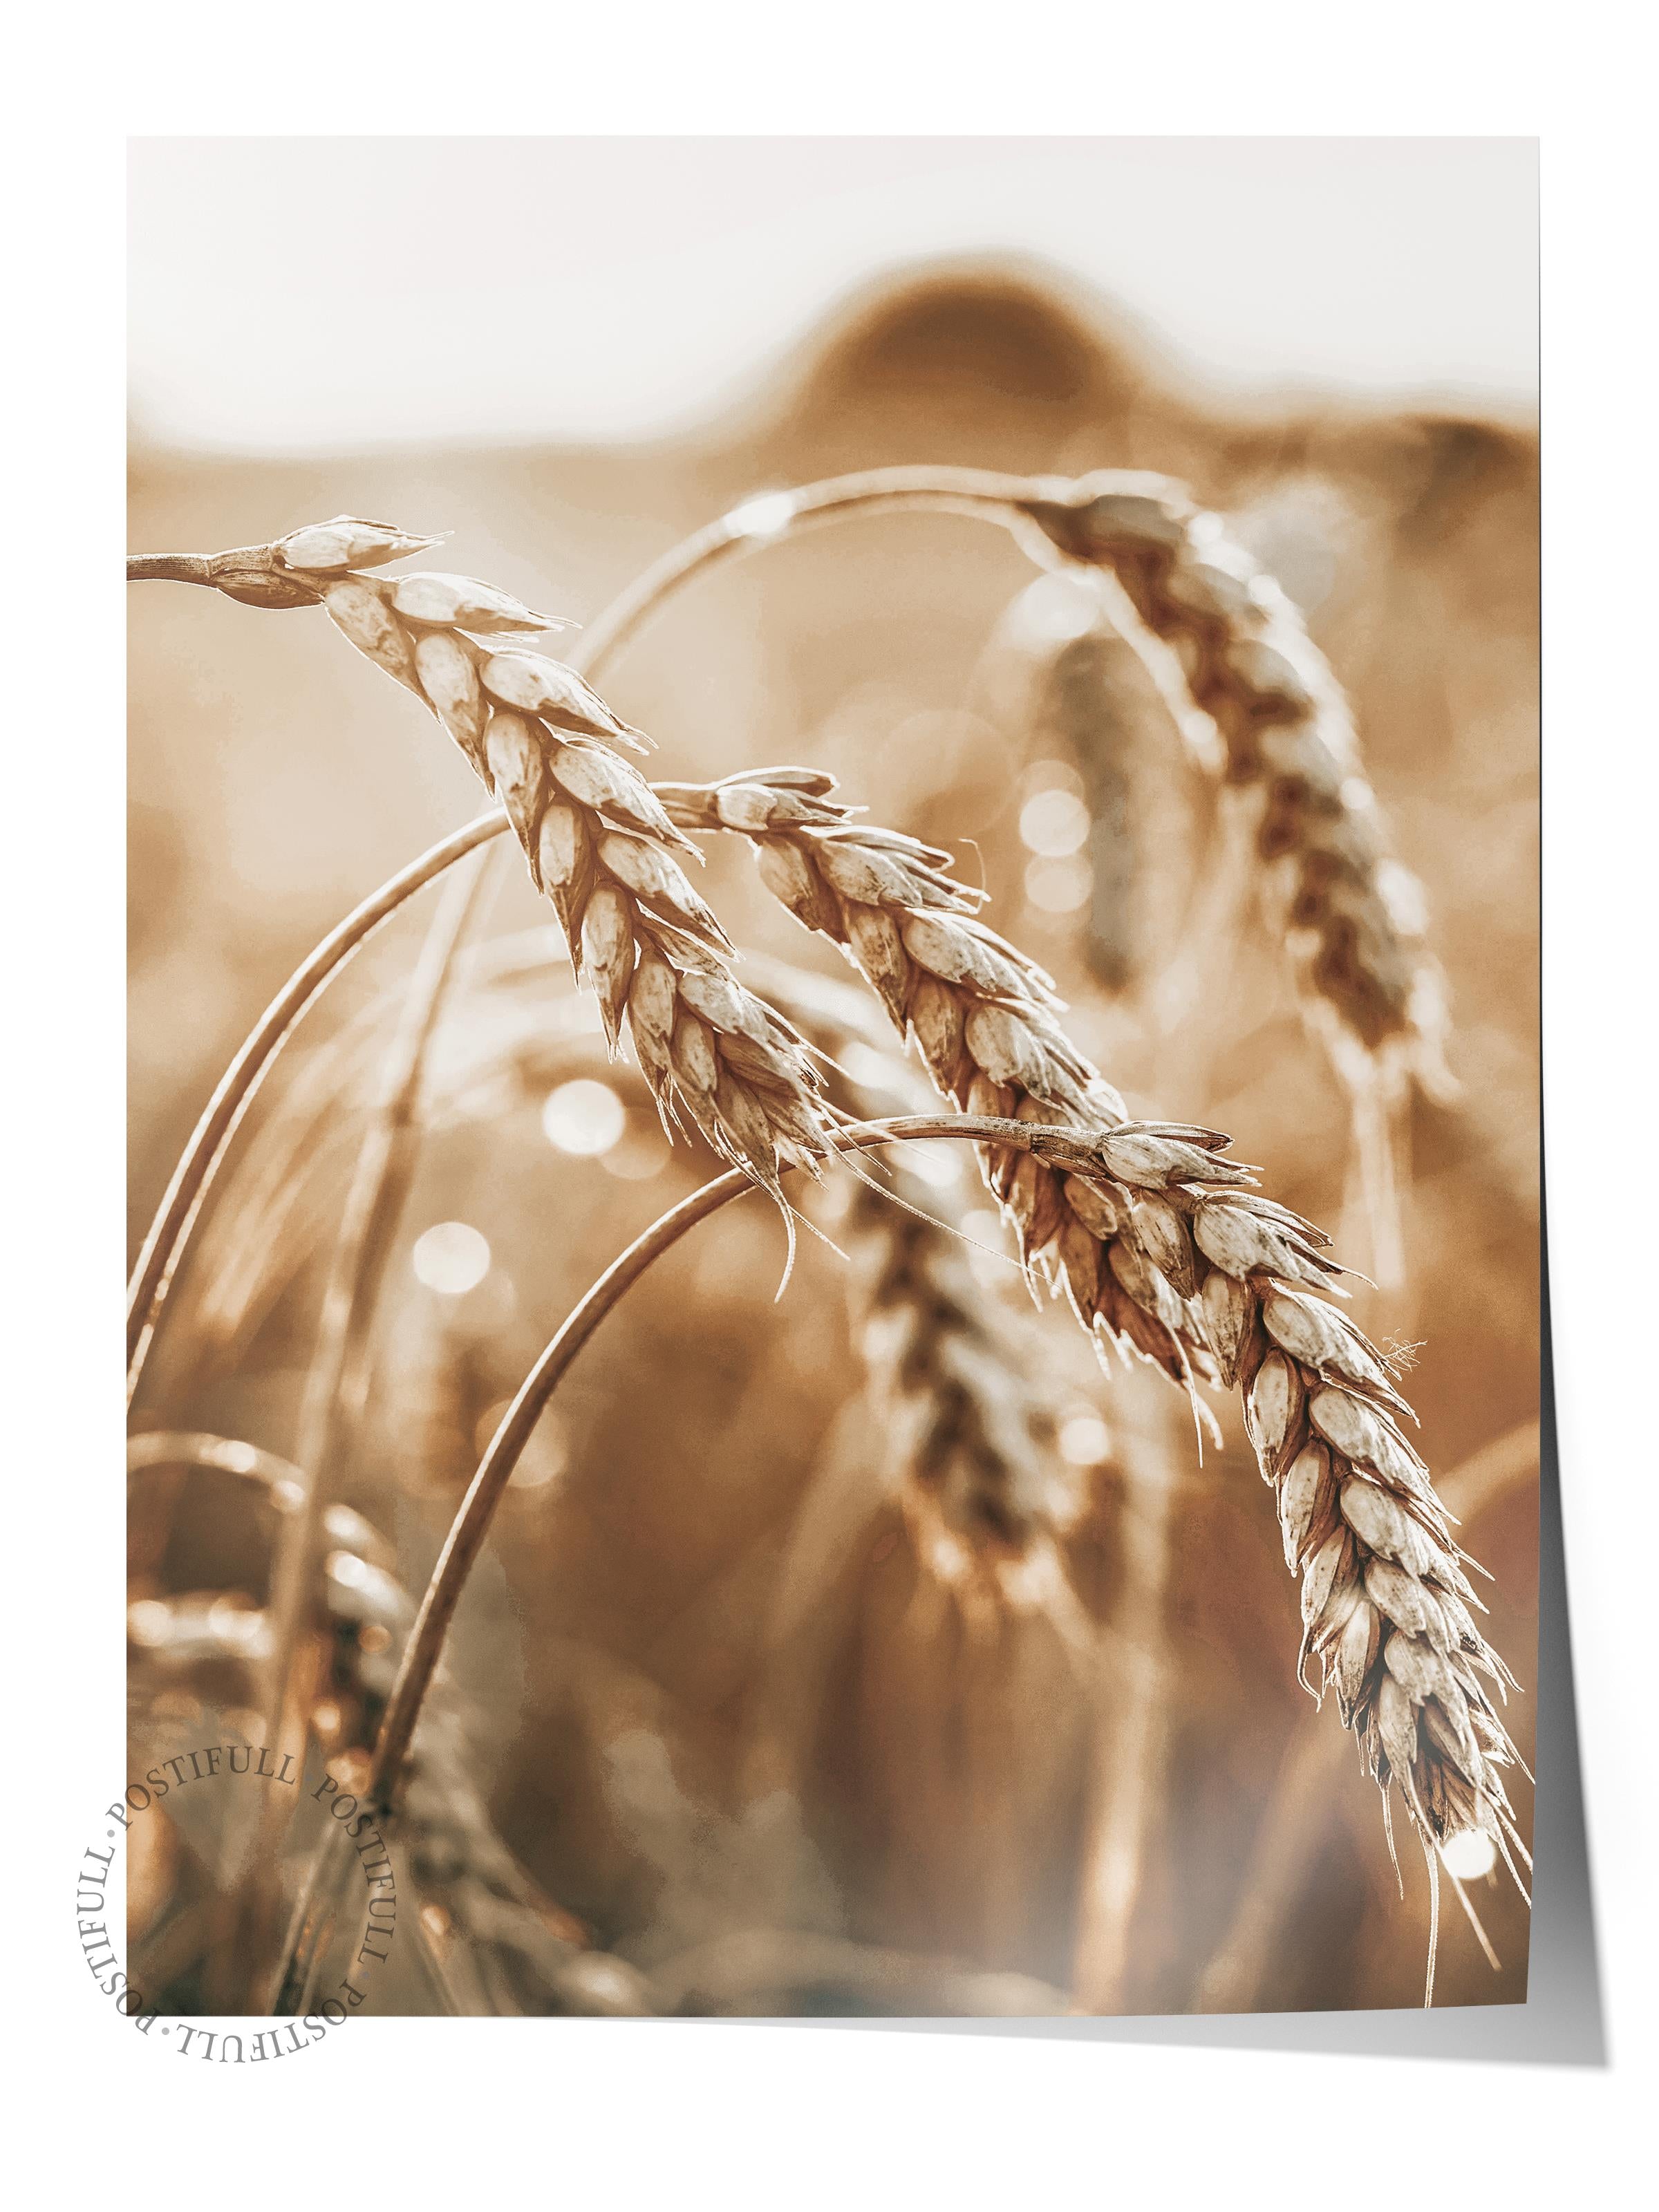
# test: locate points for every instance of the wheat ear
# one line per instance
(1170, 1250)
(980, 1482)
(601, 846)
(1352, 916)
(596, 842)
(456, 1857)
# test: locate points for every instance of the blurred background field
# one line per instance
(739, 1730)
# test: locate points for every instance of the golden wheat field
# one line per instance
(1038, 737)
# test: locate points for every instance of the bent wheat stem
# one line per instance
(478, 1509)
(362, 1249)
(472, 1522)
(374, 1201)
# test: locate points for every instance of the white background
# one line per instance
(298, 295)
(413, 2113)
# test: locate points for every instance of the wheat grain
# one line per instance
(984, 1019)
(1353, 916)
(1167, 1250)
(1292, 1833)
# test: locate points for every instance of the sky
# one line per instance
(304, 295)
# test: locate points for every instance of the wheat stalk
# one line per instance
(1350, 917)
(1170, 1251)
(600, 845)
(984, 1018)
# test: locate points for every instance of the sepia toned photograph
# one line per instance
(834, 1072)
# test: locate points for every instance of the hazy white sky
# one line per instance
(295, 293)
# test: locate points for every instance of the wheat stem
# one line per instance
(472, 1523)
(368, 1222)
(978, 494)
(1132, 1729)
(170, 569)
(373, 1206)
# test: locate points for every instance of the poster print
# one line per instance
(860, 1335)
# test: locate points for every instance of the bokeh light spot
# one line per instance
(235, 1619)
(1053, 823)
(452, 1257)
(584, 1117)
